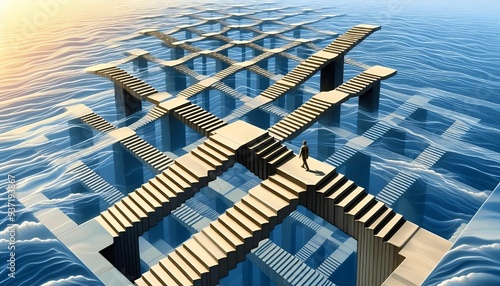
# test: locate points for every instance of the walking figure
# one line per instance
(304, 153)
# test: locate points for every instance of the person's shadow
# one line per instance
(316, 172)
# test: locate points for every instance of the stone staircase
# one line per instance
(133, 85)
(262, 158)
(146, 152)
(211, 253)
(150, 203)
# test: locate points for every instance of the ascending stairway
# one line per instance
(147, 153)
(97, 184)
(211, 253)
(265, 156)
(150, 203)
(198, 119)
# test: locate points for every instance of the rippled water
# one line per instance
(444, 52)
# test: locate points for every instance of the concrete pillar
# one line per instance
(259, 118)
(205, 100)
(204, 65)
(396, 140)
(126, 104)
(412, 203)
(262, 82)
(294, 99)
(326, 138)
(358, 169)
(281, 64)
(219, 66)
(174, 81)
(140, 64)
(368, 108)
(332, 75)
(228, 103)
(128, 170)
(173, 133)
(369, 101)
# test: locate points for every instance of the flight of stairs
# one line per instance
(211, 253)
(150, 203)
(263, 157)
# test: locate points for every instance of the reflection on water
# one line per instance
(447, 67)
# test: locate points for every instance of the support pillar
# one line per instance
(368, 108)
(294, 99)
(358, 169)
(174, 81)
(281, 64)
(220, 65)
(126, 104)
(128, 170)
(228, 103)
(326, 138)
(332, 75)
(173, 133)
(262, 82)
(259, 118)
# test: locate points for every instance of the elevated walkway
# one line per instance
(134, 86)
(311, 111)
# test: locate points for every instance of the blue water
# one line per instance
(445, 53)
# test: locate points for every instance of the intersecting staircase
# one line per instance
(154, 114)
(300, 119)
(150, 203)
(211, 253)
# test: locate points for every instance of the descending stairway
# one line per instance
(154, 114)
(283, 268)
(150, 203)
(211, 253)
(133, 85)
(144, 151)
(198, 119)
(365, 219)
(262, 158)
(97, 184)
(97, 122)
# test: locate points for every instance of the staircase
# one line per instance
(262, 158)
(211, 253)
(150, 203)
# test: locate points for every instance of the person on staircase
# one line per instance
(304, 154)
